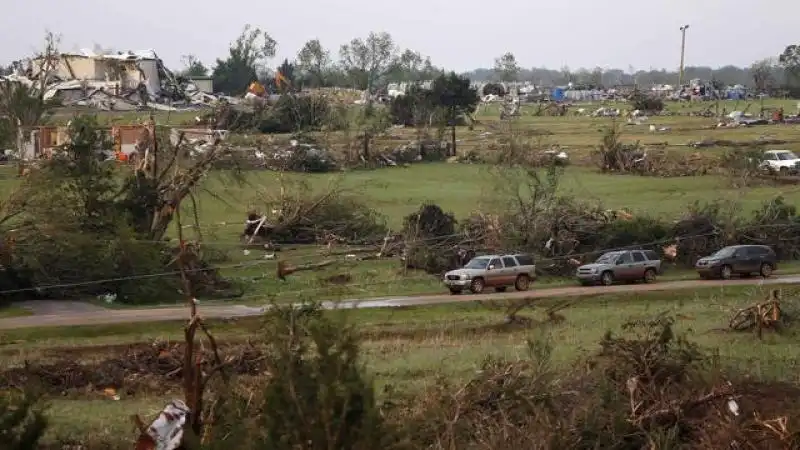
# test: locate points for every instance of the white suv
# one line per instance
(782, 161)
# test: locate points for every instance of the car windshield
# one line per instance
(786, 156)
(608, 258)
(726, 252)
(477, 263)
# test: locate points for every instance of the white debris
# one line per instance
(166, 431)
(733, 407)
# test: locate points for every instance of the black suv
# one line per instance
(743, 260)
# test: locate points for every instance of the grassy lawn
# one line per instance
(467, 188)
(409, 347)
(13, 311)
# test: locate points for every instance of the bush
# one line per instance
(22, 423)
(414, 108)
(494, 89)
(317, 395)
(647, 103)
(432, 241)
(293, 113)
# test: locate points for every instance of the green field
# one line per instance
(409, 348)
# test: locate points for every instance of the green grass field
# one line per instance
(463, 189)
(409, 347)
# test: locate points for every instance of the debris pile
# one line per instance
(642, 386)
(156, 367)
(121, 81)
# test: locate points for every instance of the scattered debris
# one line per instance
(122, 81)
(759, 316)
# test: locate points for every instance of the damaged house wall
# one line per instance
(122, 71)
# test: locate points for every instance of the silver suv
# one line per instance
(497, 271)
(624, 265)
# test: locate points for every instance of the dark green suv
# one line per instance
(743, 260)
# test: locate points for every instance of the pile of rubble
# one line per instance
(122, 81)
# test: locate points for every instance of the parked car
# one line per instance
(624, 265)
(496, 271)
(743, 260)
(780, 161)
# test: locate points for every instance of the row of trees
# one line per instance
(376, 59)
(362, 63)
(764, 75)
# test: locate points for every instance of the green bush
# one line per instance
(22, 423)
(317, 395)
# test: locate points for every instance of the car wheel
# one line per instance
(522, 283)
(607, 278)
(477, 285)
(455, 291)
(766, 270)
(649, 276)
(726, 272)
(500, 289)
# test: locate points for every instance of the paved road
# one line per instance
(116, 316)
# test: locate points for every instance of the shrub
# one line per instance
(317, 395)
(643, 102)
(22, 423)
(494, 89)
(431, 236)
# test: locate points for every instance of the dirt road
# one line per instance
(109, 316)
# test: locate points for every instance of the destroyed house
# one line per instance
(138, 77)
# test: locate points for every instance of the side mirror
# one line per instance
(491, 267)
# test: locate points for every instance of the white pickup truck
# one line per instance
(780, 161)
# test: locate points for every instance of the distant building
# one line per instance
(203, 84)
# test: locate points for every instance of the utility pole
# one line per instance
(683, 52)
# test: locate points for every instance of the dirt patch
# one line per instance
(152, 368)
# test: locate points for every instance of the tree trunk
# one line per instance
(453, 138)
(365, 150)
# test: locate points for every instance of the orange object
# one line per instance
(280, 79)
(257, 89)
(122, 156)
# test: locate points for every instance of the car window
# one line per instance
(524, 260)
(496, 263)
(509, 261)
(726, 252)
(651, 255)
(624, 258)
(638, 257)
(477, 263)
(608, 258)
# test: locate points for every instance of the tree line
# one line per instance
(370, 62)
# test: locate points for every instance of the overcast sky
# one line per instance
(458, 35)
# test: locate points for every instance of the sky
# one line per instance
(458, 35)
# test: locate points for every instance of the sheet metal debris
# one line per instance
(166, 431)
